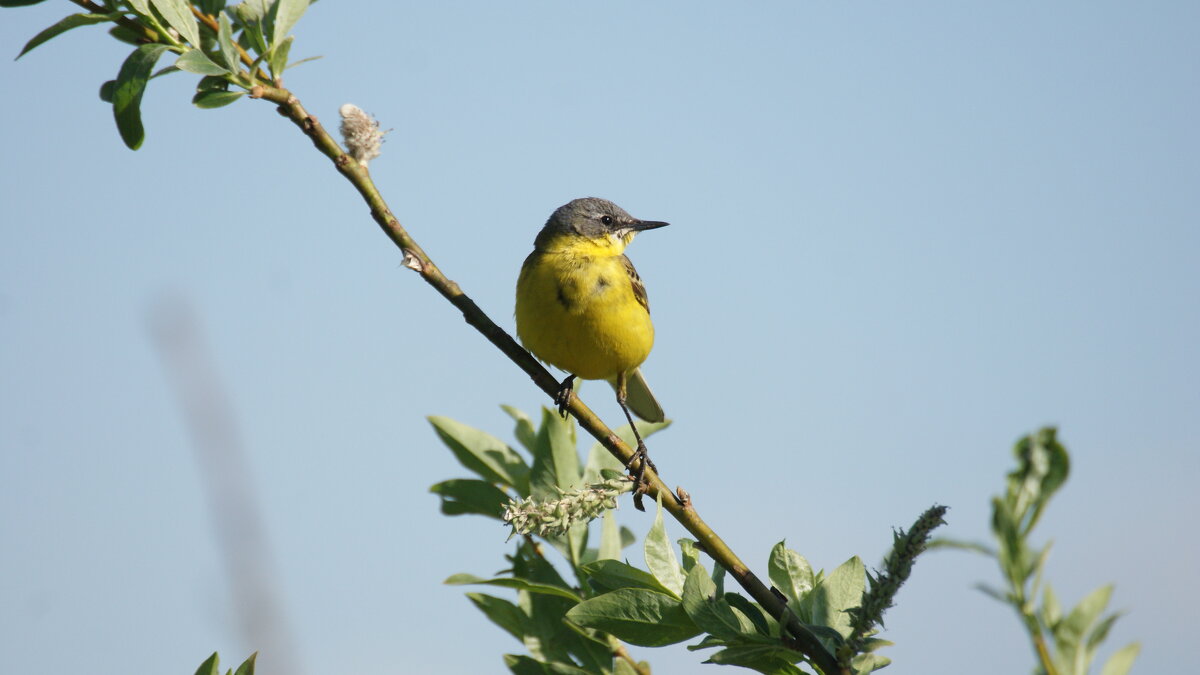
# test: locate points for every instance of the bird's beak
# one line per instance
(639, 225)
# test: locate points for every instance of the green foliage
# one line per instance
(1065, 644)
(212, 666)
(260, 27)
(577, 627)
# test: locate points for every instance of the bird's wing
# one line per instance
(639, 289)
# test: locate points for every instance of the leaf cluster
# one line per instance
(578, 626)
(212, 666)
(1066, 643)
(227, 46)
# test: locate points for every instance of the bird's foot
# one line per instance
(639, 474)
(563, 397)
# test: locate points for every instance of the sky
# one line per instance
(902, 236)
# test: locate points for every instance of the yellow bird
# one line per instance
(582, 307)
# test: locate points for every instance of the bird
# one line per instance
(582, 307)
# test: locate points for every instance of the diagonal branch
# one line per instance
(802, 639)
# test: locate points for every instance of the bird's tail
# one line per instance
(639, 398)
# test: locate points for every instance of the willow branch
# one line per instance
(415, 258)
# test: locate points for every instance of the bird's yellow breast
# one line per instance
(577, 310)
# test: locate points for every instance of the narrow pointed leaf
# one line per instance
(555, 461)
(211, 666)
(178, 14)
(660, 555)
(216, 99)
(502, 613)
(196, 61)
(483, 453)
(127, 93)
(284, 15)
(66, 24)
(247, 667)
(710, 611)
(510, 582)
(525, 432)
(610, 538)
(277, 60)
(1122, 660)
(611, 575)
(464, 495)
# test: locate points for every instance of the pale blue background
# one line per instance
(903, 235)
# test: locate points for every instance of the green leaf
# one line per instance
(710, 611)
(1051, 609)
(129, 37)
(228, 51)
(178, 14)
(519, 664)
(247, 667)
(464, 495)
(689, 553)
(610, 537)
(1122, 660)
(611, 575)
(510, 582)
(142, 7)
(284, 15)
(525, 432)
(865, 663)
(840, 591)
(19, 3)
(127, 93)
(66, 24)
(1071, 629)
(767, 659)
(277, 59)
(791, 574)
(946, 542)
(483, 453)
(216, 99)
(763, 623)
(211, 666)
(196, 61)
(106, 91)
(637, 616)
(502, 613)
(210, 7)
(660, 555)
(555, 460)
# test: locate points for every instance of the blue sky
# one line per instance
(903, 235)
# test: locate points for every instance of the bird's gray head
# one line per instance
(594, 219)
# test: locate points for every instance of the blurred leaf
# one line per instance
(977, 547)
(710, 611)
(129, 37)
(210, 7)
(519, 664)
(525, 432)
(1122, 660)
(277, 58)
(483, 453)
(841, 590)
(142, 7)
(1051, 609)
(465, 495)
(106, 91)
(19, 3)
(216, 99)
(689, 553)
(1072, 628)
(196, 61)
(660, 556)
(64, 25)
(611, 575)
(637, 616)
(247, 667)
(293, 64)
(622, 667)
(865, 663)
(502, 613)
(791, 574)
(178, 14)
(211, 666)
(284, 15)
(510, 582)
(993, 592)
(127, 93)
(610, 537)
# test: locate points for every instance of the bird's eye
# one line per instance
(607, 220)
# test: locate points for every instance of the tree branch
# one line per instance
(415, 258)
